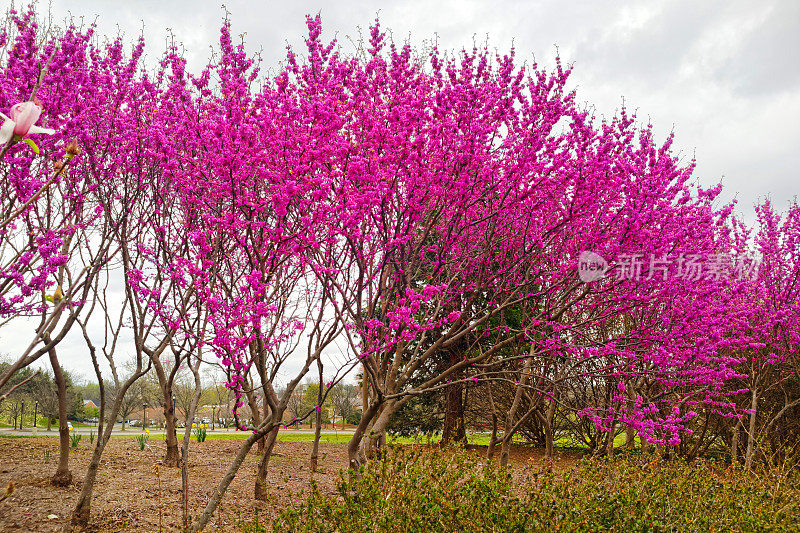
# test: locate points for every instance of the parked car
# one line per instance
(69, 424)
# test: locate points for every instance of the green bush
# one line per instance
(353, 418)
(412, 489)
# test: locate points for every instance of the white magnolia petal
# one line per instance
(6, 131)
(37, 129)
(6, 117)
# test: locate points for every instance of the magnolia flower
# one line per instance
(22, 122)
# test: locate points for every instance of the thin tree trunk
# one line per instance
(493, 439)
(751, 435)
(735, 442)
(166, 381)
(170, 425)
(223, 485)
(187, 435)
(82, 511)
(508, 433)
(646, 446)
(378, 431)
(315, 444)
(317, 421)
(453, 429)
(695, 449)
(355, 441)
(63, 476)
(610, 439)
(261, 491)
(630, 433)
(369, 447)
(549, 447)
(254, 409)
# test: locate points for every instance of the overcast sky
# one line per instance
(723, 75)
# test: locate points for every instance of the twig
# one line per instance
(12, 389)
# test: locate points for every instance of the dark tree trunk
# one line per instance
(172, 456)
(317, 422)
(549, 447)
(256, 413)
(63, 476)
(454, 430)
(261, 488)
(353, 446)
(495, 419)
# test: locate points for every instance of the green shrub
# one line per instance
(353, 418)
(412, 489)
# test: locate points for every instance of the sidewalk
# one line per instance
(133, 431)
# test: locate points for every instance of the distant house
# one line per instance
(90, 404)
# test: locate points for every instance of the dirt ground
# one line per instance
(134, 492)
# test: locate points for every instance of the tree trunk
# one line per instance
(549, 447)
(261, 490)
(355, 441)
(62, 477)
(735, 442)
(610, 439)
(493, 439)
(187, 435)
(171, 458)
(751, 434)
(82, 511)
(692, 455)
(646, 446)
(453, 429)
(630, 438)
(254, 409)
(223, 485)
(495, 419)
(317, 421)
(165, 382)
(315, 445)
(512, 412)
(378, 431)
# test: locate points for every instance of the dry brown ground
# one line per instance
(134, 492)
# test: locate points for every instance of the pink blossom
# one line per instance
(22, 122)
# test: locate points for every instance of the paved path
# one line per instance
(42, 432)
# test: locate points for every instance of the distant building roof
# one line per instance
(90, 403)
